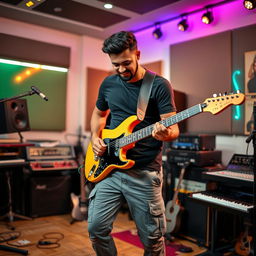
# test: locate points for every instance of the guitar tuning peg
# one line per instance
(214, 95)
(225, 93)
(220, 94)
(237, 91)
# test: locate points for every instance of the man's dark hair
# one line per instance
(119, 42)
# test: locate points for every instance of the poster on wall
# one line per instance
(249, 123)
(250, 89)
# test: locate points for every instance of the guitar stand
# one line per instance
(10, 215)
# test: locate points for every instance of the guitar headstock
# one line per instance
(219, 103)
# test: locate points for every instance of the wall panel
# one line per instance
(200, 68)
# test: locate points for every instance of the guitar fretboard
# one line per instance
(147, 131)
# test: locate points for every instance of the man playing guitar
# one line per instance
(140, 184)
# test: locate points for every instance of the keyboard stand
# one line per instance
(213, 251)
(10, 215)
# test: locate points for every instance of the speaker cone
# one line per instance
(20, 121)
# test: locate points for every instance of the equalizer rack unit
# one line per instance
(60, 157)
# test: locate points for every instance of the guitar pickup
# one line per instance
(91, 171)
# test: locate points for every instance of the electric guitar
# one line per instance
(173, 209)
(121, 139)
(243, 245)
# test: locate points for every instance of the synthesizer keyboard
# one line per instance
(239, 171)
(233, 174)
(12, 162)
(219, 199)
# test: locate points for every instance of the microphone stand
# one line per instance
(18, 96)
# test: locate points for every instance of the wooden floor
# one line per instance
(76, 241)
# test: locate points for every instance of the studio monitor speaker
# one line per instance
(14, 116)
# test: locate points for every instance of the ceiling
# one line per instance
(89, 17)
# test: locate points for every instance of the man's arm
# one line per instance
(160, 132)
(98, 122)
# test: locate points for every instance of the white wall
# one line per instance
(85, 51)
(227, 17)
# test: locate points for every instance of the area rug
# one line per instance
(129, 237)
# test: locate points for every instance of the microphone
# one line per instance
(37, 91)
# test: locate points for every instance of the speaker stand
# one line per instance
(10, 215)
(21, 137)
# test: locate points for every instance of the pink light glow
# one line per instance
(228, 16)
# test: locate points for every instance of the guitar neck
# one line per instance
(147, 131)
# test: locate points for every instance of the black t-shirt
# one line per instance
(121, 98)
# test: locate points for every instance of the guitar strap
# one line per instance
(144, 94)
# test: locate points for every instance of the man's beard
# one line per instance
(131, 76)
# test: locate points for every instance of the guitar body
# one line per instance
(114, 158)
(171, 213)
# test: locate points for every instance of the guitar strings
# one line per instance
(115, 143)
(165, 122)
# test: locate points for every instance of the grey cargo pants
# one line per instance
(142, 190)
